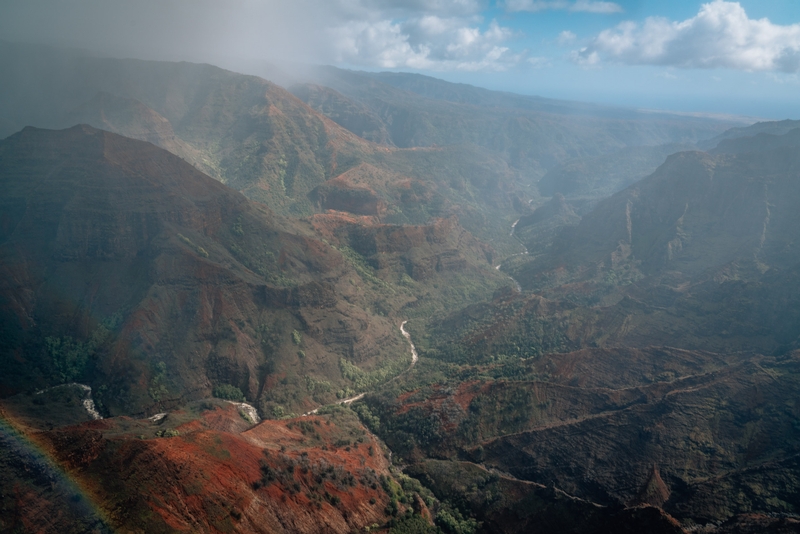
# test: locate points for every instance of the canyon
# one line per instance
(382, 302)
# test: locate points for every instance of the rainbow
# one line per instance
(21, 458)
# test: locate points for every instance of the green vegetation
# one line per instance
(487, 371)
(259, 258)
(371, 421)
(364, 270)
(197, 248)
(228, 392)
(319, 389)
(418, 425)
(158, 389)
(237, 229)
(414, 524)
(452, 522)
(279, 412)
(447, 292)
(364, 380)
(509, 328)
(270, 335)
(69, 357)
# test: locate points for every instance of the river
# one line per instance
(87, 402)
(523, 253)
(414, 359)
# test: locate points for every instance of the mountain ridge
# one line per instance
(148, 235)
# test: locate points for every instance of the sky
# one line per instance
(728, 57)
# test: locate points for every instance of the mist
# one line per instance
(556, 50)
(176, 30)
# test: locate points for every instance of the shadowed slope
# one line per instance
(126, 267)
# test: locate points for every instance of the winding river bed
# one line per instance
(414, 359)
(523, 253)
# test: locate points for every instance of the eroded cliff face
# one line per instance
(698, 214)
(698, 255)
(129, 117)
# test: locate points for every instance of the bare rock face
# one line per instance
(698, 213)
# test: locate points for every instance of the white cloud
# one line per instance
(427, 42)
(538, 62)
(585, 57)
(420, 34)
(566, 37)
(720, 36)
(588, 6)
(596, 7)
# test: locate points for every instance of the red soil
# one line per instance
(209, 477)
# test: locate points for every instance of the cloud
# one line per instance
(720, 36)
(585, 57)
(566, 37)
(587, 6)
(538, 62)
(440, 35)
(420, 34)
(428, 42)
